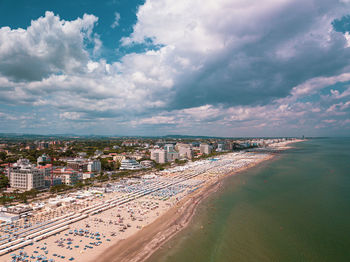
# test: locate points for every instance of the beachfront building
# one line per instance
(185, 150)
(130, 164)
(78, 164)
(84, 165)
(69, 176)
(94, 166)
(162, 156)
(159, 156)
(172, 156)
(205, 149)
(26, 177)
(47, 169)
(53, 182)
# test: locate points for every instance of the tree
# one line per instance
(23, 198)
(59, 188)
(102, 177)
(79, 184)
(121, 174)
(105, 165)
(3, 156)
(4, 181)
(180, 162)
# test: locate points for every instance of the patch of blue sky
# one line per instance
(13, 109)
(19, 13)
(310, 98)
(342, 24)
(340, 86)
(147, 45)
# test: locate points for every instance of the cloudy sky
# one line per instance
(157, 67)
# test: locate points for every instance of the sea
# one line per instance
(295, 207)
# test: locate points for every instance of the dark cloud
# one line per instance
(294, 48)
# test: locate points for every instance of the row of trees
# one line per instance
(89, 182)
(211, 155)
(4, 181)
(16, 196)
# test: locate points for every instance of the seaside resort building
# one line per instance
(94, 166)
(185, 150)
(130, 164)
(68, 176)
(159, 155)
(85, 165)
(168, 154)
(25, 176)
(205, 149)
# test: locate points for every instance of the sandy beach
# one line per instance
(136, 217)
(142, 245)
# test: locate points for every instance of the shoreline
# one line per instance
(135, 218)
(143, 244)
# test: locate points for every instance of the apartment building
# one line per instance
(159, 155)
(26, 177)
(94, 166)
(69, 176)
(185, 150)
(84, 165)
(205, 148)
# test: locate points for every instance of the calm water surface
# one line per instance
(295, 208)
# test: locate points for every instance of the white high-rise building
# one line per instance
(94, 166)
(26, 177)
(205, 149)
(185, 150)
(159, 155)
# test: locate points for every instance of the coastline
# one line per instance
(141, 245)
(134, 219)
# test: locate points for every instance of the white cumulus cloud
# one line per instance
(49, 45)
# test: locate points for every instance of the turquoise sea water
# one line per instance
(294, 208)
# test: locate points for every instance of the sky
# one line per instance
(157, 67)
